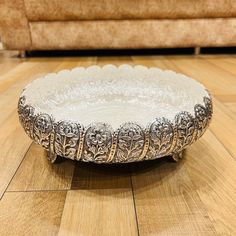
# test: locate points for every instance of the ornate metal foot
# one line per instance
(51, 157)
(177, 156)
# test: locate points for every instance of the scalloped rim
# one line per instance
(91, 70)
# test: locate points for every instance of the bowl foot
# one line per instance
(177, 156)
(52, 157)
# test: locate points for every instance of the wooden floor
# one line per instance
(196, 196)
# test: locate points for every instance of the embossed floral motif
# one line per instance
(185, 126)
(42, 129)
(98, 140)
(200, 112)
(66, 139)
(43, 123)
(209, 107)
(161, 138)
(26, 116)
(68, 129)
(98, 136)
(130, 142)
(21, 104)
(201, 120)
(28, 112)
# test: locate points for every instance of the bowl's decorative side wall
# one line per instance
(99, 143)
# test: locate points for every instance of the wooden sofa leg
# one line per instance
(22, 54)
(197, 50)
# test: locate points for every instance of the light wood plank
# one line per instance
(24, 73)
(167, 202)
(231, 59)
(226, 65)
(93, 176)
(232, 108)
(5, 67)
(31, 213)
(99, 212)
(212, 170)
(231, 98)
(223, 126)
(217, 80)
(115, 60)
(37, 173)
(14, 143)
(151, 61)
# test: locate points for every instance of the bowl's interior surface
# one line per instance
(114, 95)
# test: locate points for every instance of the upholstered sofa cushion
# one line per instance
(42, 10)
(133, 33)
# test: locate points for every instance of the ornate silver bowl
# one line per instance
(114, 114)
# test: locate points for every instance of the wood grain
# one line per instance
(212, 169)
(45, 176)
(196, 196)
(31, 213)
(99, 212)
(223, 126)
(93, 176)
(226, 98)
(167, 202)
(217, 80)
(14, 144)
(224, 64)
(232, 108)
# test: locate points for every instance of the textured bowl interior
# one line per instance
(114, 95)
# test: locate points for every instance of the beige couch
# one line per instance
(90, 24)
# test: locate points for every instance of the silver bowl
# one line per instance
(114, 114)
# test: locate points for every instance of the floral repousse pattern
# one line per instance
(26, 116)
(185, 127)
(162, 136)
(201, 120)
(67, 136)
(100, 144)
(130, 142)
(42, 129)
(97, 144)
(209, 107)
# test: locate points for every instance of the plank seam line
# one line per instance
(218, 66)
(226, 149)
(135, 211)
(37, 190)
(16, 170)
(62, 212)
(203, 204)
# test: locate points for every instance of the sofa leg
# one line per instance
(197, 51)
(22, 53)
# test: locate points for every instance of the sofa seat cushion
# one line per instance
(132, 34)
(44, 10)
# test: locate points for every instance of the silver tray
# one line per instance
(114, 114)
